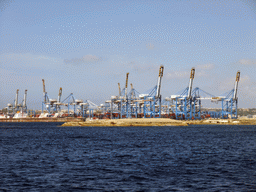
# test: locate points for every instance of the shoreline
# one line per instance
(139, 122)
(158, 122)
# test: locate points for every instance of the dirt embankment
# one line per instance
(158, 122)
(128, 122)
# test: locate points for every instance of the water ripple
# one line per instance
(44, 156)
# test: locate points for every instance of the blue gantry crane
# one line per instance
(76, 105)
(133, 98)
(230, 102)
(184, 104)
(48, 104)
(119, 105)
(150, 102)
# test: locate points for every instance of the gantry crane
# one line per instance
(16, 105)
(184, 104)
(24, 103)
(12, 108)
(230, 102)
(58, 104)
(123, 105)
(150, 102)
(48, 104)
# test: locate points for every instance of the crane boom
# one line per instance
(43, 86)
(132, 89)
(119, 89)
(236, 84)
(192, 75)
(131, 86)
(60, 93)
(126, 84)
(25, 99)
(16, 99)
(44, 91)
(161, 71)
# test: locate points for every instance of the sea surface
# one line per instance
(47, 157)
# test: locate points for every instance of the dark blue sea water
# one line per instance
(46, 157)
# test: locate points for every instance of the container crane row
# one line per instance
(132, 104)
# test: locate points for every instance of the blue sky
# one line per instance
(87, 47)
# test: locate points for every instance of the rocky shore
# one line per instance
(158, 122)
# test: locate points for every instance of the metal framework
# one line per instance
(77, 105)
(186, 105)
(229, 102)
(151, 101)
(16, 107)
(48, 104)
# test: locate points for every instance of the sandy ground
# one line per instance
(159, 122)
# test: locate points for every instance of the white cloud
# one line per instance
(83, 60)
(140, 66)
(27, 60)
(247, 62)
(178, 75)
(205, 66)
(200, 71)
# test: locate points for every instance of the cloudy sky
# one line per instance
(87, 47)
